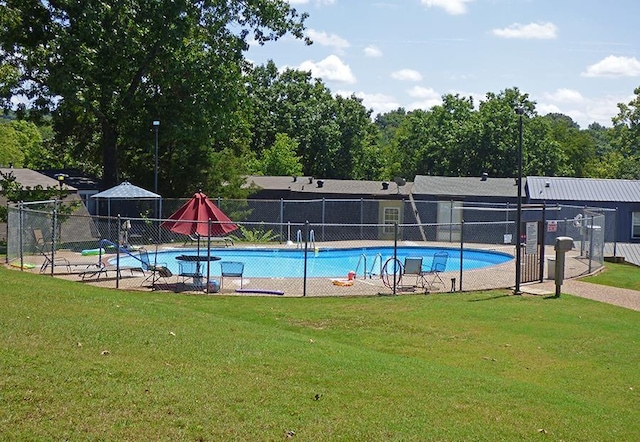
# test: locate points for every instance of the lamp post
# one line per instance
(156, 126)
(61, 177)
(519, 112)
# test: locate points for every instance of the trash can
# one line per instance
(551, 268)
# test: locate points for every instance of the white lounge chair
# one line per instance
(204, 239)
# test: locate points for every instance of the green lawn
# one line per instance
(626, 276)
(83, 363)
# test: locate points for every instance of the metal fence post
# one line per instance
(306, 242)
(118, 253)
(615, 231)
(208, 254)
(590, 234)
(20, 234)
(461, 250)
(282, 240)
(324, 202)
(451, 221)
(361, 218)
(395, 257)
(54, 227)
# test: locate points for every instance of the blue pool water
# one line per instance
(332, 263)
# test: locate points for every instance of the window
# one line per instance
(392, 216)
(635, 225)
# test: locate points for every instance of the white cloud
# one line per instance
(406, 75)
(453, 7)
(324, 39)
(564, 96)
(330, 69)
(379, 103)
(584, 111)
(603, 109)
(529, 31)
(427, 98)
(546, 108)
(613, 66)
(423, 92)
(372, 51)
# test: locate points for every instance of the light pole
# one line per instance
(156, 126)
(61, 177)
(519, 112)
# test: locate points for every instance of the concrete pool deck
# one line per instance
(494, 277)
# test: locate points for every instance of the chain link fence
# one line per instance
(306, 248)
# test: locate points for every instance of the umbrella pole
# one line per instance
(208, 255)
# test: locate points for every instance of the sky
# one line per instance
(576, 57)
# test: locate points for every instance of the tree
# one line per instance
(330, 132)
(280, 159)
(578, 146)
(627, 123)
(497, 149)
(10, 151)
(107, 69)
(545, 156)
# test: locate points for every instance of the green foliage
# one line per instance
(95, 92)
(10, 150)
(83, 362)
(331, 133)
(279, 159)
(254, 234)
(179, 62)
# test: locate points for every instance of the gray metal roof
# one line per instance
(126, 190)
(583, 189)
(328, 186)
(466, 186)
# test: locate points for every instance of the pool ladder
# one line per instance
(311, 242)
(376, 260)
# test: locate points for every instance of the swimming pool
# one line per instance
(326, 262)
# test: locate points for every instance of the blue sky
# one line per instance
(577, 57)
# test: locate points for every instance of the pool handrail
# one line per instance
(376, 259)
(362, 258)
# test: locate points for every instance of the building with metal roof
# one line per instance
(583, 190)
(621, 197)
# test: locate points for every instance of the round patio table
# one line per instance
(195, 272)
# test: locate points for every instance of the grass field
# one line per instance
(84, 363)
(626, 276)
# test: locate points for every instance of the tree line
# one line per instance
(94, 75)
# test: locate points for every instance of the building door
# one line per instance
(449, 219)
(390, 214)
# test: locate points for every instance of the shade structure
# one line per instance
(127, 191)
(193, 218)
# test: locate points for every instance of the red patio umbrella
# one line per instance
(193, 219)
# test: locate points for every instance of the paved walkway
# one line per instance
(621, 297)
